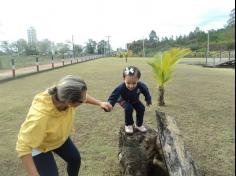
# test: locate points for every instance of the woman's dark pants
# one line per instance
(46, 165)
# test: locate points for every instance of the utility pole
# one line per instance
(104, 47)
(73, 47)
(208, 48)
(143, 49)
(109, 49)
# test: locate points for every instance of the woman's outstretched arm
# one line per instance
(91, 100)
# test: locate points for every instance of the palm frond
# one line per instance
(163, 63)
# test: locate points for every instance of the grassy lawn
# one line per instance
(200, 99)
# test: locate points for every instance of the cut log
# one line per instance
(177, 158)
(140, 154)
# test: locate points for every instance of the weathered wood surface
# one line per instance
(177, 158)
(140, 154)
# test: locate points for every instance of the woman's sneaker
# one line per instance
(129, 129)
(141, 128)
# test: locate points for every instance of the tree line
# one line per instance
(47, 47)
(219, 40)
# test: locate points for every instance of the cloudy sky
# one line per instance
(123, 20)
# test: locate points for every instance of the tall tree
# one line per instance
(63, 48)
(91, 46)
(4, 46)
(231, 21)
(162, 66)
(230, 30)
(77, 49)
(45, 46)
(22, 46)
(101, 47)
(152, 35)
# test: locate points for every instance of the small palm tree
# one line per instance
(125, 54)
(162, 65)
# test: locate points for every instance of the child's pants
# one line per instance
(46, 165)
(128, 108)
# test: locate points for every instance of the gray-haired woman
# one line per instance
(47, 127)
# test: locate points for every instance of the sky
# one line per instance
(123, 20)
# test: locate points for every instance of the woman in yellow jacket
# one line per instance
(48, 125)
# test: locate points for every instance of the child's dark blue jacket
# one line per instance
(122, 93)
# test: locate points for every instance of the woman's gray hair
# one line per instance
(68, 89)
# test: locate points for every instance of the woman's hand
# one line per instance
(28, 163)
(104, 105)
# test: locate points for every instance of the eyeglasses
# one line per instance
(75, 103)
(79, 101)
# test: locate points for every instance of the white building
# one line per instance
(32, 37)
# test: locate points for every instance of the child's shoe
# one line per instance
(141, 128)
(129, 129)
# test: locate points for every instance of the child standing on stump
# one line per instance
(127, 95)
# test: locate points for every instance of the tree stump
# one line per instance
(140, 154)
(155, 153)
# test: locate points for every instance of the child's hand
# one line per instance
(148, 103)
(106, 106)
(105, 110)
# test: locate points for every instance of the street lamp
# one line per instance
(109, 49)
(143, 48)
(208, 47)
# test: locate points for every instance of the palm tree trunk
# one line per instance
(160, 100)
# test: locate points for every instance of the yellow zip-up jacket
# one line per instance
(45, 128)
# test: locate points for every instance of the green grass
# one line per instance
(200, 99)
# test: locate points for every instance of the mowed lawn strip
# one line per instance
(200, 99)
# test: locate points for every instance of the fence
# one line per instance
(213, 58)
(14, 72)
(216, 58)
